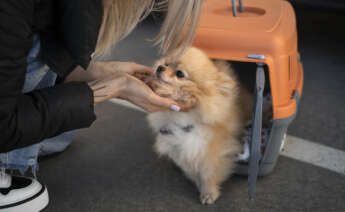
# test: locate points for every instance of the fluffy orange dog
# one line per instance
(203, 142)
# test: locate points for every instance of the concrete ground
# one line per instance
(111, 166)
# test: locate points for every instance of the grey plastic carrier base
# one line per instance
(272, 150)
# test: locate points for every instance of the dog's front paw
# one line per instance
(208, 198)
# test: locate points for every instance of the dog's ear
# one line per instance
(227, 82)
(227, 86)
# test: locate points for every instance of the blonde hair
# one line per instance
(177, 31)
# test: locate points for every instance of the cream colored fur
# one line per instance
(208, 152)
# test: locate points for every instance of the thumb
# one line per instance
(142, 69)
(165, 103)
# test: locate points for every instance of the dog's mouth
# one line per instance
(168, 90)
(156, 80)
(159, 77)
(162, 86)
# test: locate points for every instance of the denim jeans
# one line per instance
(38, 75)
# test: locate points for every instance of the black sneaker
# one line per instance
(22, 194)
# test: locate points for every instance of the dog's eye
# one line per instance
(166, 64)
(179, 74)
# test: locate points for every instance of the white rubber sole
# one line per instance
(37, 203)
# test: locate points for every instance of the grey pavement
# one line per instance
(111, 166)
(322, 109)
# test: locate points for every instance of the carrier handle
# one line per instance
(255, 144)
(234, 10)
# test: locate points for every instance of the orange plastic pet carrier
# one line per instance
(261, 32)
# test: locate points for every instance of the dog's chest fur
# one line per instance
(182, 138)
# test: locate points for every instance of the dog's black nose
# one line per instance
(160, 69)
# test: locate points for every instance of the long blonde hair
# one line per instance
(177, 31)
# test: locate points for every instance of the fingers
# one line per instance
(141, 94)
(135, 79)
(138, 68)
(142, 76)
(141, 72)
(104, 89)
(164, 102)
(161, 102)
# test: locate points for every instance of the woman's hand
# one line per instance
(100, 70)
(122, 80)
(131, 68)
(127, 87)
(137, 92)
(107, 88)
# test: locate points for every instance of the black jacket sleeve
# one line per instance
(28, 118)
(69, 35)
(54, 53)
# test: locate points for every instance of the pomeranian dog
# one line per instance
(204, 141)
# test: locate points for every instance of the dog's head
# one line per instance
(193, 80)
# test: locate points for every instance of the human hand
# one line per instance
(127, 87)
(107, 88)
(105, 69)
(137, 92)
(101, 70)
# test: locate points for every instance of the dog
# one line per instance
(205, 140)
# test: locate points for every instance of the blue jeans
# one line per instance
(38, 75)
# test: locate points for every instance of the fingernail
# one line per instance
(175, 108)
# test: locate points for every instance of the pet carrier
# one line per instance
(264, 33)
